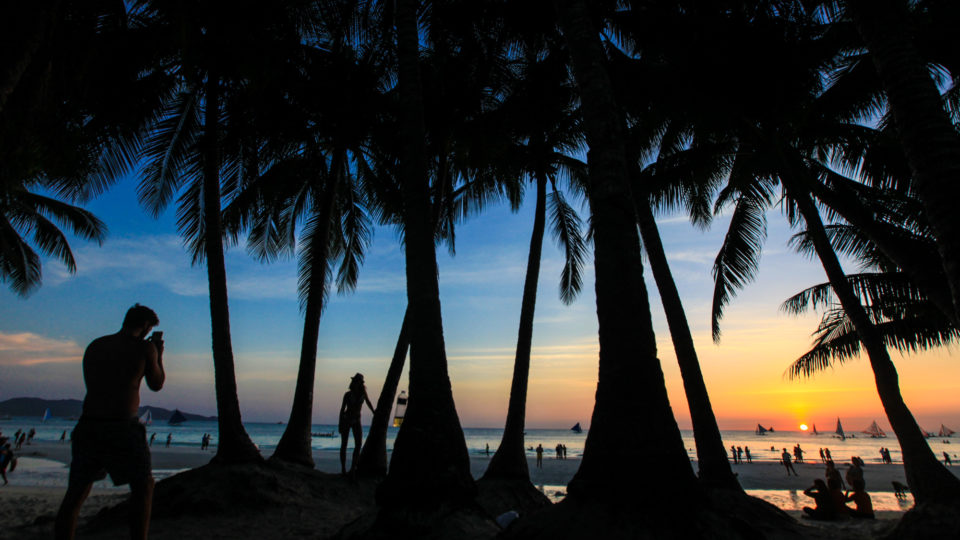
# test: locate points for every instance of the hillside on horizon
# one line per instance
(71, 408)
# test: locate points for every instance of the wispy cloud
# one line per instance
(28, 349)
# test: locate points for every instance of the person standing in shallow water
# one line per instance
(350, 413)
(788, 462)
(109, 437)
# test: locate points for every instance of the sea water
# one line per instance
(763, 448)
(766, 447)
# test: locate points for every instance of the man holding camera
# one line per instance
(108, 437)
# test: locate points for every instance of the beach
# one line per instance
(38, 483)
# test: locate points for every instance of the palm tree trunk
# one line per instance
(929, 139)
(928, 479)
(632, 413)
(233, 445)
(373, 456)
(295, 444)
(715, 470)
(430, 466)
(510, 459)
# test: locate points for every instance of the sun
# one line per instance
(803, 427)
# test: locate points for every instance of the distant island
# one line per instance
(71, 408)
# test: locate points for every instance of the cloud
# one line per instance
(28, 349)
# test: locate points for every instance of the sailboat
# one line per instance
(177, 418)
(401, 408)
(874, 431)
(46, 416)
(945, 431)
(840, 433)
(815, 432)
(576, 428)
(146, 418)
(761, 430)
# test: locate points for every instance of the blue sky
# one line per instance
(42, 337)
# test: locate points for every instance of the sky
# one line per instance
(42, 337)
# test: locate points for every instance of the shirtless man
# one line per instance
(108, 437)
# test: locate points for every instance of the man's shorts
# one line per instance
(117, 447)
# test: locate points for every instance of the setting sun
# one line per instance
(803, 427)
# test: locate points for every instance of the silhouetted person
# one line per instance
(63, 436)
(746, 450)
(559, 451)
(564, 447)
(798, 453)
(788, 463)
(823, 458)
(350, 412)
(826, 452)
(31, 435)
(824, 506)
(488, 449)
(152, 437)
(860, 497)
(539, 456)
(169, 438)
(832, 474)
(739, 455)
(946, 459)
(7, 459)
(109, 438)
(854, 473)
(733, 453)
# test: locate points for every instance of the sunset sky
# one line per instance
(42, 337)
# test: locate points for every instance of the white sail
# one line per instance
(840, 431)
(46, 415)
(874, 431)
(945, 431)
(146, 418)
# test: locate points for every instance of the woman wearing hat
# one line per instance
(350, 411)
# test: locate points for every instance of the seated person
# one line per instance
(837, 497)
(825, 508)
(861, 498)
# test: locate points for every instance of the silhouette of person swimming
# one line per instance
(350, 413)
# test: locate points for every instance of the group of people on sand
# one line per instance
(885, 455)
(830, 499)
(738, 454)
(20, 437)
(825, 455)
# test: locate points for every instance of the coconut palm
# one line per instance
(540, 112)
(197, 148)
(929, 138)
(430, 466)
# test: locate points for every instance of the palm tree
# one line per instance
(430, 467)
(929, 138)
(630, 390)
(540, 112)
(72, 107)
(196, 147)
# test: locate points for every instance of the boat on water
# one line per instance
(176, 418)
(945, 431)
(576, 428)
(814, 432)
(401, 409)
(839, 433)
(46, 416)
(874, 431)
(761, 430)
(146, 418)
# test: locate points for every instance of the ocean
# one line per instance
(766, 447)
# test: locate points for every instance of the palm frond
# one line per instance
(170, 148)
(357, 234)
(566, 227)
(19, 265)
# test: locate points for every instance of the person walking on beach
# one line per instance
(798, 453)
(7, 459)
(564, 447)
(733, 453)
(826, 452)
(169, 438)
(108, 438)
(823, 458)
(946, 459)
(152, 437)
(350, 413)
(746, 450)
(739, 455)
(539, 456)
(788, 463)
